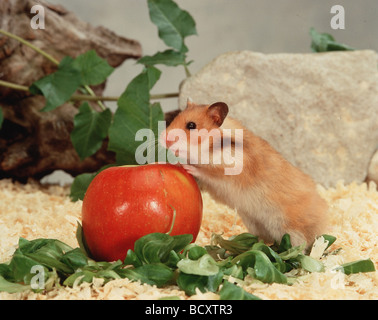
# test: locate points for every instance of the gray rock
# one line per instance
(373, 169)
(320, 110)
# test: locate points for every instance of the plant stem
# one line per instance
(173, 219)
(27, 43)
(80, 97)
(13, 85)
(92, 95)
(187, 72)
(49, 57)
(99, 102)
(164, 96)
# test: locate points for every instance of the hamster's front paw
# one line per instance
(191, 170)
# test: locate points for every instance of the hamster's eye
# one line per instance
(191, 125)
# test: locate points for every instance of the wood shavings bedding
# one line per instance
(34, 211)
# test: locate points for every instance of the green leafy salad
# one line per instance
(161, 260)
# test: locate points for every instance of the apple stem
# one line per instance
(173, 220)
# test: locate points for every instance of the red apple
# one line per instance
(125, 203)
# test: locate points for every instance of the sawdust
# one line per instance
(33, 211)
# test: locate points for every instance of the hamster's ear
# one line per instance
(189, 103)
(218, 112)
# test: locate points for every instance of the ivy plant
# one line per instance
(134, 108)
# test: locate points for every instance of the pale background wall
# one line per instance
(268, 26)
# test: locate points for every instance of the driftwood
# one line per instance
(34, 143)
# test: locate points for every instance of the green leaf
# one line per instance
(81, 240)
(358, 266)
(196, 252)
(153, 247)
(49, 256)
(4, 270)
(104, 270)
(190, 282)
(132, 259)
(80, 185)
(265, 271)
(90, 129)
(12, 287)
(263, 268)
(157, 251)
(234, 271)
(217, 252)
(310, 264)
(292, 252)
(174, 24)
(181, 241)
(74, 259)
(26, 246)
(93, 69)
(59, 86)
(153, 274)
(157, 247)
(330, 239)
(323, 42)
(237, 244)
(204, 266)
(20, 267)
(55, 247)
(86, 276)
(137, 92)
(173, 259)
(285, 243)
(231, 291)
(169, 58)
(134, 112)
(273, 256)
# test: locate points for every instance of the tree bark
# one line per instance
(34, 143)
